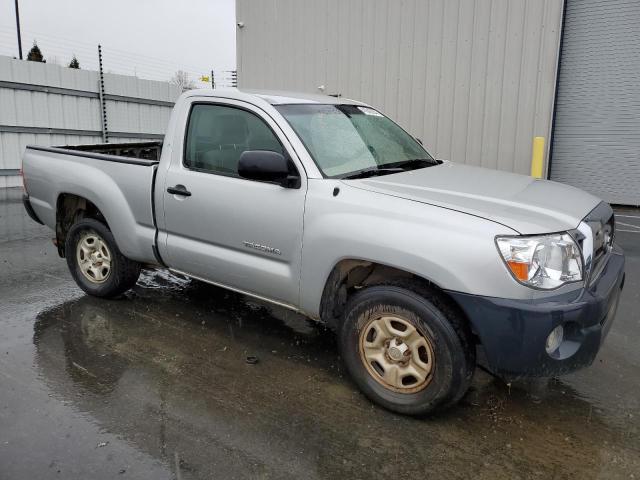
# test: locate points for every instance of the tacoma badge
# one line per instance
(263, 248)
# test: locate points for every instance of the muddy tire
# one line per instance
(406, 348)
(96, 263)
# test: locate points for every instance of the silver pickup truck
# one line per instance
(326, 206)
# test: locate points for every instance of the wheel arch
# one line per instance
(125, 216)
(69, 209)
(351, 274)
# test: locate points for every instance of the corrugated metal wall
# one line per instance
(596, 143)
(475, 79)
(136, 109)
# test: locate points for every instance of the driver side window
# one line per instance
(217, 135)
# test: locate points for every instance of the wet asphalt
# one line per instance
(156, 385)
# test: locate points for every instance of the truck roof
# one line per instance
(274, 97)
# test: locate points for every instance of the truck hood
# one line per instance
(525, 204)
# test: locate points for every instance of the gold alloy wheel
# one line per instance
(94, 257)
(396, 353)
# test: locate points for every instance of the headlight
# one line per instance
(545, 261)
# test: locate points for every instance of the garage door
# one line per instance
(596, 141)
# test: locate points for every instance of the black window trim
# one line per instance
(237, 107)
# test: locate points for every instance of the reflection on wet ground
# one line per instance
(156, 385)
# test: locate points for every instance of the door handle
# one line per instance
(179, 190)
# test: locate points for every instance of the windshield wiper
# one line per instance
(414, 163)
(394, 167)
(372, 172)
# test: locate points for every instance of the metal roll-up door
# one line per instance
(596, 136)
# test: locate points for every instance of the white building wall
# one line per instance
(474, 79)
(126, 112)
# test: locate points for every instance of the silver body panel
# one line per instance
(526, 204)
(121, 191)
(281, 244)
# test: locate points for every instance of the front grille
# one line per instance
(602, 223)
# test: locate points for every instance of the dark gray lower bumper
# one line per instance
(513, 333)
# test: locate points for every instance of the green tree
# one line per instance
(35, 55)
(74, 63)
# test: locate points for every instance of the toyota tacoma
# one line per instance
(327, 207)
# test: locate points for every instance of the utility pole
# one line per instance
(18, 29)
(213, 80)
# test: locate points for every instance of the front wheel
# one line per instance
(96, 263)
(406, 349)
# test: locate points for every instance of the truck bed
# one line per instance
(117, 178)
(141, 153)
(142, 150)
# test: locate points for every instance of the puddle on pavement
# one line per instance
(165, 369)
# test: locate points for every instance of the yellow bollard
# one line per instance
(537, 157)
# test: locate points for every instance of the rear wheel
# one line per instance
(96, 263)
(406, 349)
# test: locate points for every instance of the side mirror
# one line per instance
(266, 166)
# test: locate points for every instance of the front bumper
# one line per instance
(513, 333)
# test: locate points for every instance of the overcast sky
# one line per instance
(150, 38)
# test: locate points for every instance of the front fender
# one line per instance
(454, 250)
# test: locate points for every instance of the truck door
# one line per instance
(228, 230)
